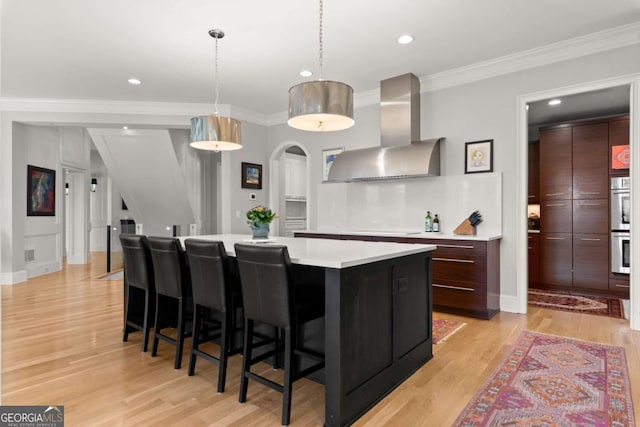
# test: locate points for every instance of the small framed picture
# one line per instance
(328, 156)
(251, 176)
(478, 156)
(41, 191)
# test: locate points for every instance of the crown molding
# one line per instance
(618, 37)
(90, 106)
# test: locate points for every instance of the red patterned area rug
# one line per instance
(547, 380)
(444, 328)
(601, 306)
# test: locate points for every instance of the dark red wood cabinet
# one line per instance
(555, 163)
(534, 172)
(575, 160)
(556, 260)
(533, 251)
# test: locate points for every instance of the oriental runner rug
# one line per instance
(547, 380)
(444, 328)
(601, 306)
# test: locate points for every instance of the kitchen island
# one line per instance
(378, 312)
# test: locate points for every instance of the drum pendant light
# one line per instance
(321, 105)
(215, 132)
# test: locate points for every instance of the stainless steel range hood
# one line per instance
(401, 154)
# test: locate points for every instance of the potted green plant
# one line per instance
(259, 218)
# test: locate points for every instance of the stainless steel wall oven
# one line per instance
(620, 225)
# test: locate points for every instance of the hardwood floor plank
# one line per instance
(62, 344)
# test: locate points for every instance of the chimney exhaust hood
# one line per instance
(401, 154)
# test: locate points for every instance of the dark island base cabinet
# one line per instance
(466, 273)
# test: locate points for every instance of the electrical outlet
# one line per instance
(237, 214)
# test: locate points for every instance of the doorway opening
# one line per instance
(602, 102)
(290, 188)
(75, 247)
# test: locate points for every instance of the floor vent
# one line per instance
(29, 255)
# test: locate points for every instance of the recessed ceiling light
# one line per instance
(134, 81)
(555, 102)
(306, 73)
(125, 127)
(405, 39)
(527, 107)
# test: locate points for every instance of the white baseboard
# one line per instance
(34, 270)
(13, 277)
(510, 304)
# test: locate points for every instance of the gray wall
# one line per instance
(485, 109)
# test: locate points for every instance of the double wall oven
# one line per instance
(620, 225)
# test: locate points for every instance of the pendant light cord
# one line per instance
(320, 37)
(215, 105)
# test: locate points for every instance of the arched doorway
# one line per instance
(289, 188)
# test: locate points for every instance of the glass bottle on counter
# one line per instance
(436, 224)
(428, 222)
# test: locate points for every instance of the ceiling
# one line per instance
(87, 49)
(585, 105)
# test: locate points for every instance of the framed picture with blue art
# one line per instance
(41, 191)
(328, 156)
(251, 176)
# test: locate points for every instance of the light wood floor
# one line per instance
(62, 345)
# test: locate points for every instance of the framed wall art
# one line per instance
(328, 156)
(478, 156)
(41, 191)
(251, 176)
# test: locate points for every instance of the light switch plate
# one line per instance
(252, 196)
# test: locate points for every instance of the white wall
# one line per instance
(486, 109)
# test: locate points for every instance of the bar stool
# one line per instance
(215, 287)
(172, 280)
(138, 276)
(269, 295)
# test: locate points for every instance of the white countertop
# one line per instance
(324, 252)
(406, 234)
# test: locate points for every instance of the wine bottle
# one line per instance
(436, 224)
(428, 222)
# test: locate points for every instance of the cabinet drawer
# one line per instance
(446, 248)
(459, 297)
(452, 270)
(555, 216)
(295, 224)
(591, 216)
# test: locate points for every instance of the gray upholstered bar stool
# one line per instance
(172, 282)
(138, 278)
(270, 296)
(216, 287)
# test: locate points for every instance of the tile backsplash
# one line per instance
(401, 204)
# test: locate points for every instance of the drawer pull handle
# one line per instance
(552, 205)
(622, 286)
(590, 193)
(589, 239)
(465, 261)
(554, 194)
(456, 246)
(590, 204)
(555, 238)
(457, 288)
(531, 197)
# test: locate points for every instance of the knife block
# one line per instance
(465, 228)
